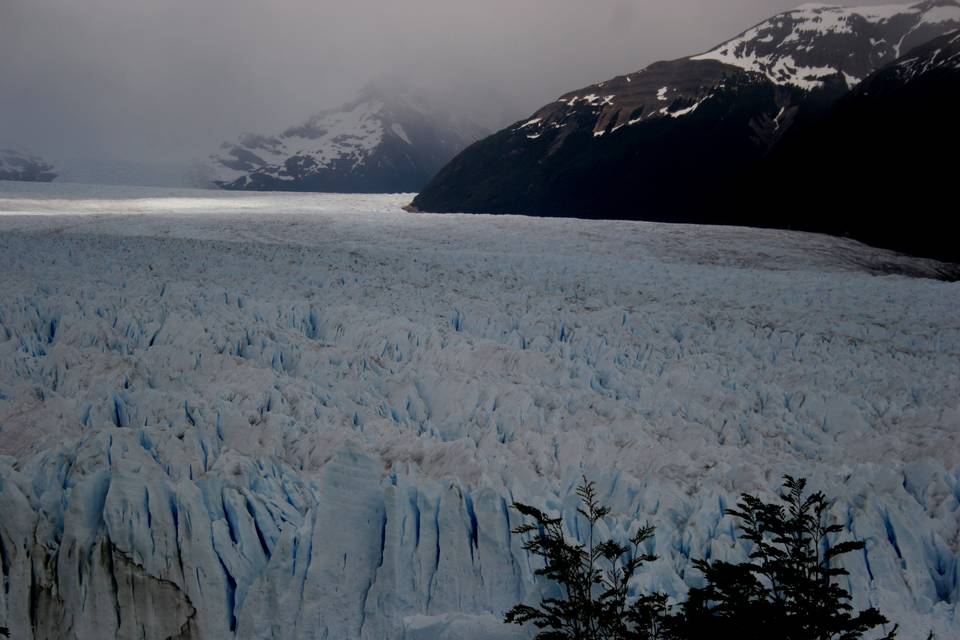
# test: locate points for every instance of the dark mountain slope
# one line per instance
(671, 168)
(679, 140)
(881, 165)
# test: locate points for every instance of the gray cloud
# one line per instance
(170, 79)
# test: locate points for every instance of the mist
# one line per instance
(163, 82)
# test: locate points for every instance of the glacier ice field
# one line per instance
(269, 416)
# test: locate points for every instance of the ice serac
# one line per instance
(386, 140)
(336, 556)
(283, 426)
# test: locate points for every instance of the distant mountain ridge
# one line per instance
(380, 142)
(15, 165)
(673, 141)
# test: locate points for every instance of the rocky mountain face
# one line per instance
(379, 143)
(880, 156)
(15, 165)
(675, 140)
(814, 41)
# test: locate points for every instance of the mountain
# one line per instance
(672, 141)
(380, 142)
(804, 46)
(880, 159)
(15, 165)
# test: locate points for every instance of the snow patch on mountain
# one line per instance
(804, 46)
(943, 54)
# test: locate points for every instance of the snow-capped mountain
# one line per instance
(810, 48)
(15, 165)
(664, 143)
(380, 142)
(813, 42)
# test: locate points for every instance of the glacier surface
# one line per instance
(289, 416)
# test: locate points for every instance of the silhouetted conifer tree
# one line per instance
(593, 579)
(787, 588)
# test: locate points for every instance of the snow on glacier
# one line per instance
(303, 416)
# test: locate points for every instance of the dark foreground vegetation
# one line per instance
(786, 589)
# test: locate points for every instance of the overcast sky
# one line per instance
(173, 78)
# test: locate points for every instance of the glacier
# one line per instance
(266, 416)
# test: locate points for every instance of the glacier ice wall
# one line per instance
(312, 425)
